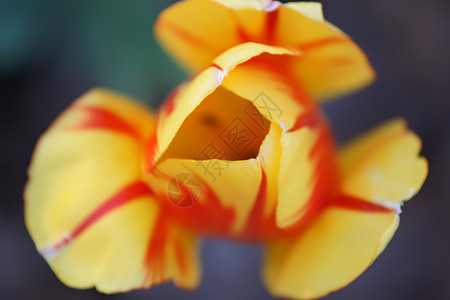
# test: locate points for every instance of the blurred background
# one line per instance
(53, 51)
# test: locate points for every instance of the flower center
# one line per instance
(224, 126)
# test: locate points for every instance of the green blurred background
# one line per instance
(99, 43)
(53, 51)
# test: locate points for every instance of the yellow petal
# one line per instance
(384, 165)
(334, 250)
(269, 157)
(86, 208)
(333, 67)
(298, 176)
(127, 248)
(190, 31)
(308, 176)
(331, 64)
(110, 253)
(92, 150)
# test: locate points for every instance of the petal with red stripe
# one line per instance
(86, 207)
(330, 253)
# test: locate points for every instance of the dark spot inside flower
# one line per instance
(210, 120)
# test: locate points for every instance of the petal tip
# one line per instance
(219, 75)
(394, 206)
(272, 6)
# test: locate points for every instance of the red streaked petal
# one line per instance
(86, 205)
(129, 193)
(328, 254)
(101, 118)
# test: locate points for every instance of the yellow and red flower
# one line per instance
(119, 197)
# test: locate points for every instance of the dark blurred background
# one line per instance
(53, 51)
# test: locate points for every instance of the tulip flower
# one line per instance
(119, 197)
(101, 201)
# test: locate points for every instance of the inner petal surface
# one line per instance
(224, 126)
